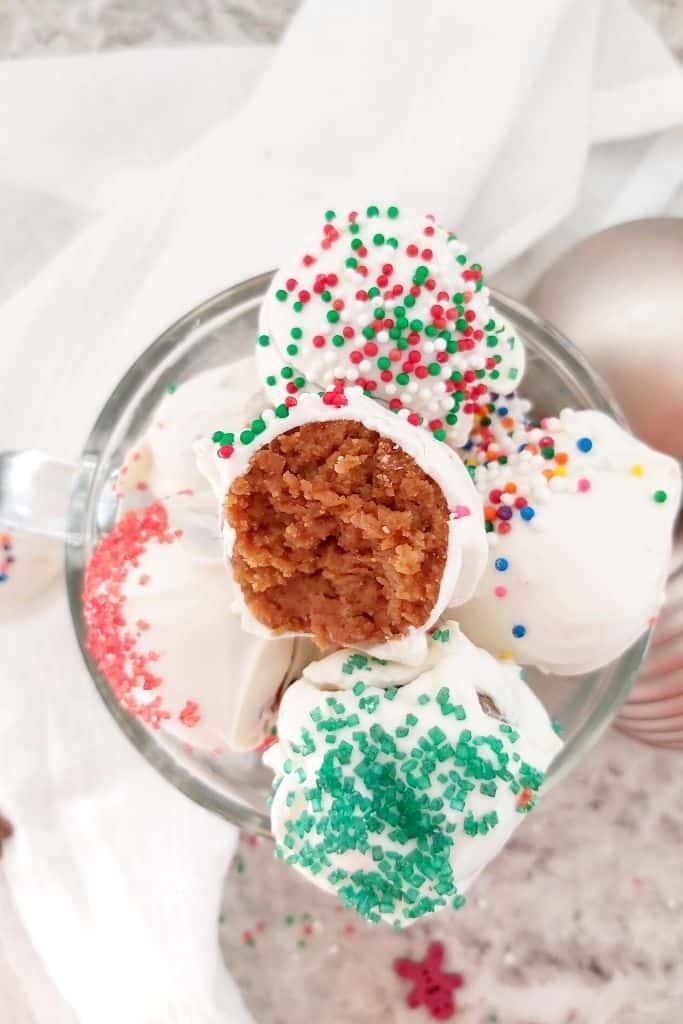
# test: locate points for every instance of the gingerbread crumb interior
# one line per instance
(339, 533)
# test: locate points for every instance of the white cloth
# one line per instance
(133, 186)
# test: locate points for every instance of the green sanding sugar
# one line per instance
(399, 799)
(355, 662)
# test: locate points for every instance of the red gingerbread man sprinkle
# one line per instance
(433, 988)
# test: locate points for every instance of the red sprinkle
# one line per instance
(189, 715)
(110, 640)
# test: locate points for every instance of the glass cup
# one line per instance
(36, 490)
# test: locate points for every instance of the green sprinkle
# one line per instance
(264, 340)
(392, 212)
(246, 437)
(660, 497)
(271, 381)
(292, 350)
(282, 412)
(332, 316)
(399, 800)
(281, 295)
(355, 662)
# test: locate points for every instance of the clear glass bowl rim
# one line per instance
(557, 349)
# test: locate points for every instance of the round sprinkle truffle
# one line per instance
(407, 311)
(395, 796)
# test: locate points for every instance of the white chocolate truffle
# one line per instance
(163, 461)
(396, 797)
(390, 301)
(29, 565)
(162, 632)
(580, 517)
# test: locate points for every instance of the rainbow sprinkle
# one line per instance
(7, 557)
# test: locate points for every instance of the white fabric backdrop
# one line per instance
(133, 186)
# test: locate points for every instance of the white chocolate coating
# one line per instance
(163, 461)
(302, 824)
(585, 576)
(29, 565)
(419, 242)
(213, 686)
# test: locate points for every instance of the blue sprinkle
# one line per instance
(503, 411)
(527, 513)
(584, 444)
(519, 631)
(501, 564)
(3, 577)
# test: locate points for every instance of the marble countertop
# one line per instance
(581, 920)
(37, 27)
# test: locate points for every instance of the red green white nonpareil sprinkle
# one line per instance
(400, 310)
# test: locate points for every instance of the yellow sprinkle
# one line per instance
(561, 471)
(506, 656)
(637, 470)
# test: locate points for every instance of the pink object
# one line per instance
(432, 986)
(654, 710)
